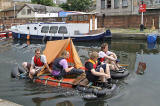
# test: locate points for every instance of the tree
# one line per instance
(44, 2)
(77, 5)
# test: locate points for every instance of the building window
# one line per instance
(157, 1)
(124, 3)
(102, 4)
(108, 3)
(28, 11)
(45, 29)
(116, 3)
(62, 30)
(53, 29)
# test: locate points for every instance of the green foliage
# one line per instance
(65, 6)
(77, 5)
(44, 2)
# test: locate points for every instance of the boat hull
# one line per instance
(5, 34)
(75, 38)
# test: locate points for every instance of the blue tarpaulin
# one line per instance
(64, 13)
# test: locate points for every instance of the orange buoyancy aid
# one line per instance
(93, 62)
(38, 62)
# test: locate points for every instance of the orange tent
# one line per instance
(55, 48)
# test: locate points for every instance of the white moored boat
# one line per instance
(79, 27)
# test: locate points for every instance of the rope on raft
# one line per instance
(58, 81)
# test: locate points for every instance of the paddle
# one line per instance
(141, 65)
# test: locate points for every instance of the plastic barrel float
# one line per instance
(151, 38)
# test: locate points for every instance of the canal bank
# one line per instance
(132, 33)
(8, 103)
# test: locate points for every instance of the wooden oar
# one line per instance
(126, 65)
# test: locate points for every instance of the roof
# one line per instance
(35, 8)
(38, 7)
(17, 7)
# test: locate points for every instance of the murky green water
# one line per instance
(135, 90)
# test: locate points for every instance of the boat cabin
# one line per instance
(89, 18)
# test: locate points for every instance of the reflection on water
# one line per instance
(65, 103)
(96, 103)
(39, 100)
(128, 51)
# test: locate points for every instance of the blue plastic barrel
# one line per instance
(151, 38)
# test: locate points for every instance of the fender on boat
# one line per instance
(119, 75)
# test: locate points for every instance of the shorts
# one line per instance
(92, 78)
(101, 66)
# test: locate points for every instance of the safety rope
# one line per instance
(47, 80)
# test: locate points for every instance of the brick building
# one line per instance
(125, 13)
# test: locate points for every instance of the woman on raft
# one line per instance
(61, 69)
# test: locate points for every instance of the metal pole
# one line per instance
(142, 18)
(14, 10)
(141, 26)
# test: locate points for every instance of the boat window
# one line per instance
(35, 28)
(28, 28)
(62, 30)
(80, 18)
(45, 29)
(70, 18)
(53, 29)
(74, 17)
(85, 17)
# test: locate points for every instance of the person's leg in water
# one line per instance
(26, 66)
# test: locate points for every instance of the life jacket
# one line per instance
(56, 66)
(93, 62)
(38, 62)
(91, 77)
(101, 59)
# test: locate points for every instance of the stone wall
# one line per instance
(130, 21)
(11, 22)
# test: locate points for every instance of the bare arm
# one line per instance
(114, 55)
(68, 69)
(97, 73)
(46, 65)
(110, 58)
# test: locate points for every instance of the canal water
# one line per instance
(134, 90)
